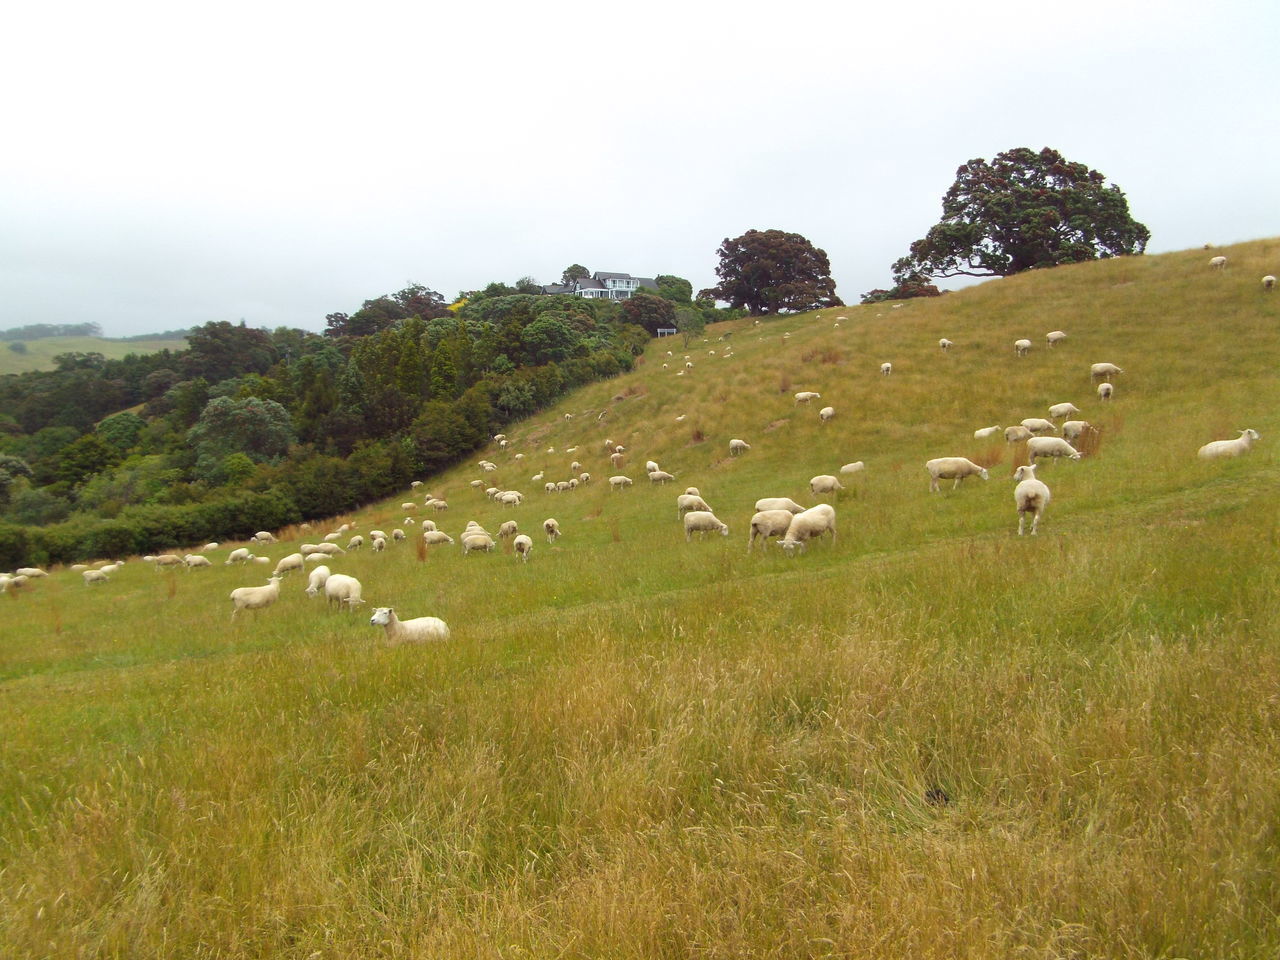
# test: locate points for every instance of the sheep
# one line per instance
(510, 498)
(316, 580)
(1031, 496)
(575, 467)
(701, 522)
(255, 598)
(886, 368)
(109, 568)
(332, 537)
(356, 542)
(985, 432)
(263, 536)
(428, 525)
(856, 467)
(1060, 410)
(82, 567)
(373, 535)
(417, 630)
(619, 483)
(396, 535)
(692, 492)
(615, 459)
(1050, 447)
(686, 502)
(737, 446)
(805, 396)
(945, 344)
(292, 562)
(824, 483)
(378, 544)
(208, 547)
(476, 542)
(330, 549)
(195, 560)
(315, 558)
(807, 526)
(551, 527)
(1075, 429)
(340, 588)
(1227, 448)
(1039, 425)
(1016, 434)
(415, 484)
(952, 468)
(1105, 391)
(660, 476)
(1268, 283)
(499, 437)
(778, 503)
(1218, 263)
(1101, 371)
(261, 561)
(93, 576)
(163, 560)
(433, 537)
(1021, 348)
(1054, 337)
(549, 486)
(523, 547)
(650, 466)
(768, 523)
(439, 505)
(826, 414)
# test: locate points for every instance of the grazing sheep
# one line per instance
(1031, 496)
(415, 484)
(1101, 371)
(340, 588)
(1268, 283)
(778, 503)
(619, 483)
(510, 498)
(316, 580)
(737, 446)
(575, 467)
(82, 567)
(509, 528)
(396, 535)
(768, 523)
(702, 522)
(952, 468)
(1218, 263)
(262, 561)
(807, 526)
(1021, 348)
(332, 537)
(1050, 447)
(660, 476)
(692, 492)
(438, 505)
(1060, 410)
(1016, 434)
(356, 542)
(650, 466)
(210, 546)
(804, 396)
(1105, 391)
(477, 542)
(1075, 429)
(523, 546)
(1227, 448)
(379, 544)
(985, 432)
(293, 561)
(433, 537)
(428, 525)
(687, 501)
(263, 536)
(195, 560)
(315, 558)
(945, 344)
(255, 598)
(551, 528)
(1054, 337)
(616, 460)
(1039, 425)
(549, 486)
(856, 467)
(886, 368)
(417, 630)
(499, 437)
(94, 576)
(329, 549)
(824, 483)
(163, 560)
(109, 569)
(826, 414)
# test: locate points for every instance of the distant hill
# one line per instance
(38, 354)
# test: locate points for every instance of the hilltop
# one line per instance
(38, 353)
(928, 739)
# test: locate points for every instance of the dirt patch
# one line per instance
(777, 423)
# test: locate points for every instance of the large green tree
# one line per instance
(769, 271)
(1022, 210)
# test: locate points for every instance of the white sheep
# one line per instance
(477, 542)
(1016, 434)
(945, 344)
(509, 528)
(255, 598)
(378, 544)
(417, 630)
(1039, 425)
(316, 580)
(826, 414)
(1060, 410)
(1021, 348)
(824, 483)
(329, 549)
(293, 561)
(195, 560)
(687, 501)
(1105, 391)
(619, 483)
(562, 486)
(1268, 283)
(415, 484)
(523, 546)
(692, 492)
(660, 476)
(702, 522)
(332, 537)
(439, 505)
(1075, 429)
(210, 546)
(778, 503)
(952, 468)
(1031, 496)
(1229, 448)
(93, 576)
(886, 368)
(356, 542)
(737, 446)
(397, 535)
(510, 498)
(263, 536)
(340, 588)
(549, 486)
(768, 523)
(315, 558)
(1101, 371)
(616, 460)
(985, 432)
(805, 396)
(551, 527)
(575, 467)
(856, 467)
(433, 537)
(809, 525)
(650, 466)
(1218, 263)
(1054, 337)
(1050, 447)
(163, 560)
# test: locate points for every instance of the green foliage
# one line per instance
(37, 506)
(771, 271)
(261, 429)
(690, 322)
(219, 350)
(575, 271)
(17, 346)
(649, 312)
(82, 458)
(11, 468)
(122, 431)
(676, 289)
(549, 339)
(907, 288)
(1021, 211)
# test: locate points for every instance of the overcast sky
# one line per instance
(168, 164)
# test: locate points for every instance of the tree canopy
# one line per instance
(767, 271)
(1022, 210)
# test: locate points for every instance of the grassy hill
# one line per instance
(41, 351)
(929, 738)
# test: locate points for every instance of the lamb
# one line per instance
(293, 561)
(952, 468)
(509, 528)
(619, 483)
(1054, 337)
(316, 580)
(1016, 434)
(552, 529)
(255, 598)
(1021, 348)
(1101, 371)
(549, 486)
(804, 396)
(1217, 449)
(433, 537)
(477, 542)
(886, 368)
(737, 446)
(701, 522)
(1039, 425)
(1268, 283)
(1075, 429)
(945, 344)
(1105, 391)
(417, 630)
(768, 523)
(1050, 447)
(93, 576)
(687, 501)
(985, 432)
(523, 546)
(824, 483)
(826, 414)
(856, 467)
(807, 526)
(660, 476)
(778, 503)
(340, 588)
(1060, 410)
(1031, 496)
(1218, 263)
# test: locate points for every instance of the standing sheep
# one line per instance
(316, 581)
(824, 483)
(340, 589)
(984, 432)
(688, 501)
(619, 483)
(804, 396)
(1050, 447)
(551, 527)
(507, 529)
(288, 564)
(523, 547)
(417, 630)
(826, 414)
(807, 526)
(1105, 391)
(1054, 337)
(1016, 434)
(886, 368)
(1031, 496)
(945, 344)
(952, 468)
(1075, 429)
(1021, 348)
(768, 523)
(856, 467)
(1039, 425)
(1218, 263)
(778, 503)
(1242, 444)
(702, 522)
(660, 476)
(738, 446)
(1268, 283)
(1060, 410)
(255, 598)
(1101, 371)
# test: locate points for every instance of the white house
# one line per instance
(605, 286)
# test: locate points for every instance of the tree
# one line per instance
(676, 289)
(648, 311)
(907, 287)
(575, 271)
(690, 323)
(1023, 210)
(767, 271)
(261, 429)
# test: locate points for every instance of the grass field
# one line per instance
(928, 739)
(41, 351)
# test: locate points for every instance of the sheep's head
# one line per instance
(1026, 472)
(982, 472)
(381, 617)
(790, 545)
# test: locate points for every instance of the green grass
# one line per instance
(41, 351)
(638, 747)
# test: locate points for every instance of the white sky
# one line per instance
(164, 164)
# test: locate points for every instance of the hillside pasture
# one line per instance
(39, 353)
